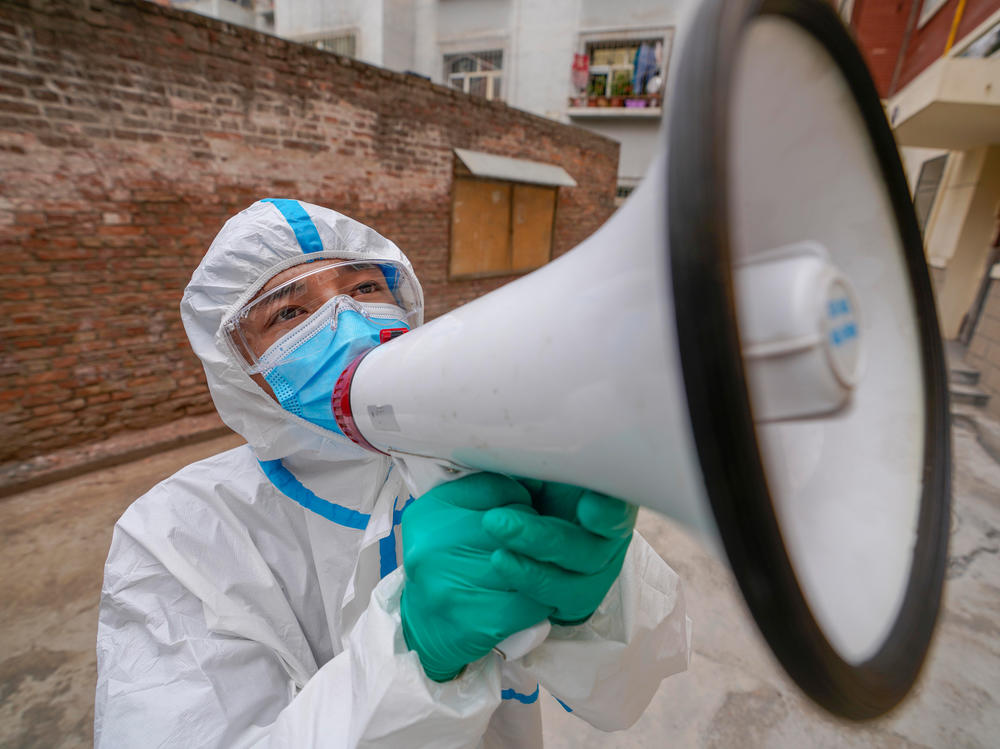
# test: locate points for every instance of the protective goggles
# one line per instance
(301, 300)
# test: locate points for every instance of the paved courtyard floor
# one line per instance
(55, 539)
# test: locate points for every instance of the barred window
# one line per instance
(476, 73)
(613, 66)
(341, 44)
(928, 9)
(928, 182)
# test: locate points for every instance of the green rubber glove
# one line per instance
(455, 605)
(568, 555)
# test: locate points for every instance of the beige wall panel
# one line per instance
(534, 208)
(952, 204)
(971, 248)
(480, 227)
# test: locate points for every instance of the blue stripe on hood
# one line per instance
(302, 225)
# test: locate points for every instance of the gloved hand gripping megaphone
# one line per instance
(749, 346)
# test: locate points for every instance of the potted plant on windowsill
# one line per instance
(621, 88)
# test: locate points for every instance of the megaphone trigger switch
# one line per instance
(389, 333)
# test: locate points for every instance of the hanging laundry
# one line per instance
(644, 67)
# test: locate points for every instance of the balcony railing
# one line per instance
(647, 101)
(648, 105)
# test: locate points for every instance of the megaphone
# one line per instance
(749, 346)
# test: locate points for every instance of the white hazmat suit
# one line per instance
(252, 599)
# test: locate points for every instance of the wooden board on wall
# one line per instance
(480, 227)
(532, 226)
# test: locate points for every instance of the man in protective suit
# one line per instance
(254, 598)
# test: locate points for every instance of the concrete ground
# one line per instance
(55, 539)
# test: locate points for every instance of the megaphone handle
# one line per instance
(423, 474)
(521, 643)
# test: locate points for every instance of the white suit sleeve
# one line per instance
(165, 680)
(607, 669)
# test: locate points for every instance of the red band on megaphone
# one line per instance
(342, 404)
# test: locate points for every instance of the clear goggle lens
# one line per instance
(259, 331)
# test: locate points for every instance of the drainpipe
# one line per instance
(911, 22)
(954, 26)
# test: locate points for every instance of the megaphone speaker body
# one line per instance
(569, 374)
(749, 346)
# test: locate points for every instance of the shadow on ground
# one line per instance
(55, 539)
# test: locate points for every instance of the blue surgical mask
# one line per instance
(304, 378)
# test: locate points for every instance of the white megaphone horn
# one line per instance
(749, 346)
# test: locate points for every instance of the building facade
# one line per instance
(598, 65)
(937, 65)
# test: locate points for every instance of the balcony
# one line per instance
(955, 102)
(647, 106)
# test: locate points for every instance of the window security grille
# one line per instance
(476, 73)
(343, 44)
(612, 66)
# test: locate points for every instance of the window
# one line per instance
(622, 193)
(341, 44)
(928, 9)
(500, 227)
(988, 45)
(623, 68)
(931, 172)
(476, 73)
(845, 8)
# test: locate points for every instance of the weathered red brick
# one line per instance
(112, 246)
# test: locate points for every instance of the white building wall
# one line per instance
(370, 40)
(398, 34)
(296, 19)
(544, 39)
(458, 18)
(640, 141)
(538, 39)
(224, 10)
(426, 58)
(601, 15)
(306, 20)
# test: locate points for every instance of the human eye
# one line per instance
(372, 290)
(284, 315)
(368, 287)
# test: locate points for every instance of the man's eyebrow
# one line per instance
(283, 292)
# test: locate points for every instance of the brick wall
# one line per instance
(984, 348)
(880, 28)
(130, 132)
